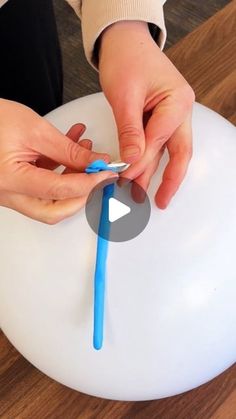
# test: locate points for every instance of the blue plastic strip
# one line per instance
(101, 258)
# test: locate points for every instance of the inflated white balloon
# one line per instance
(170, 321)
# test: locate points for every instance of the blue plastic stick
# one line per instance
(101, 258)
(100, 269)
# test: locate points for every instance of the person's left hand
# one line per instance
(152, 105)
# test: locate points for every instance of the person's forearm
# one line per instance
(137, 31)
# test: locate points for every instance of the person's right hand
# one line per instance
(29, 148)
(152, 104)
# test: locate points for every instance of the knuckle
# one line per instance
(130, 132)
(158, 142)
(185, 96)
(38, 129)
(49, 220)
(60, 191)
(188, 96)
(161, 141)
(186, 149)
(185, 152)
(74, 152)
(52, 220)
(189, 151)
(52, 217)
(174, 180)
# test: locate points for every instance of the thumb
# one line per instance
(129, 120)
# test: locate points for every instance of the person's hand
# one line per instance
(29, 148)
(152, 105)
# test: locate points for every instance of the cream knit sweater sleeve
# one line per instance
(96, 15)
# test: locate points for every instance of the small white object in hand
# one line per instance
(118, 166)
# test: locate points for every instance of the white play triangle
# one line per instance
(117, 210)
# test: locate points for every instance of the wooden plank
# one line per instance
(206, 58)
(228, 409)
(184, 16)
(222, 97)
(27, 393)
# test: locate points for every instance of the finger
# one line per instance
(76, 131)
(46, 211)
(129, 119)
(137, 169)
(164, 121)
(74, 134)
(166, 117)
(180, 152)
(88, 144)
(142, 182)
(45, 184)
(61, 149)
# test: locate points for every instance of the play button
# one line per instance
(124, 214)
(117, 210)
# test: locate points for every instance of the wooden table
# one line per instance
(206, 57)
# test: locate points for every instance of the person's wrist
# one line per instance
(122, 32)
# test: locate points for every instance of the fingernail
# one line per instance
(82, 128)
(85, 143)
(130, 152)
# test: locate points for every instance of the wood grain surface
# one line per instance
(206, 58)
(184, 16)
(26, 393)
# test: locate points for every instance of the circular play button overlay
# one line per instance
(118, 212)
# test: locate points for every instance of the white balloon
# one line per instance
(170, 320)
